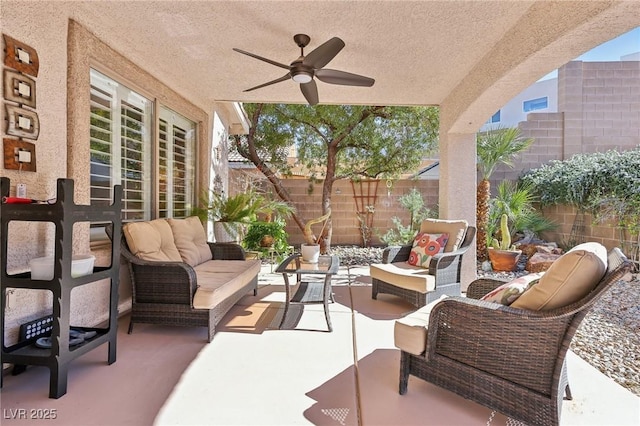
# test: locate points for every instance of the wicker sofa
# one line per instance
(178, 278)
(508, 358)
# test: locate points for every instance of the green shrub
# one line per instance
(258, 230)
(588, 181)
(605, 184)
(517, 201)
(403, 234)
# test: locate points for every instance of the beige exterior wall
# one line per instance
(66, 50)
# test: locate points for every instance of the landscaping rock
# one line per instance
(539, 262)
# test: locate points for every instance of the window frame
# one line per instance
(157, 109)
(533, 104)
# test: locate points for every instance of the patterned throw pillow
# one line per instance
(425, 246)
(509, 292)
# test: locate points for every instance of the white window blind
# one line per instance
(176, 165)
(120, 146)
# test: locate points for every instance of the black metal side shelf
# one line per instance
(64, 213)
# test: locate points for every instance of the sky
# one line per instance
(611, 50)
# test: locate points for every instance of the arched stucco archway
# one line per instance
(547, 36)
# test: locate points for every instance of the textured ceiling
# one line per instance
(419, 53)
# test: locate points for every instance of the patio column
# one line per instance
(458, 181)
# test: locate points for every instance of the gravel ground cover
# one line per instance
(608, 338)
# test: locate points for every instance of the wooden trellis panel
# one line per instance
(365, 194)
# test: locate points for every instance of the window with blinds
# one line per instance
(122, 152)
(120, 146)
(176, 164)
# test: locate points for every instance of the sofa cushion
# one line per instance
(410, 332)
(219, 279)
(567, 280)
(425, 246)
(509, 292)
(456, 229)
(403, 275)
(152, 240)
(191, 240)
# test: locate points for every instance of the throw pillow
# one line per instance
(568, 279)
(509, 292)
(455, 229)
(152, 240)
(191, 240)
(425, 246)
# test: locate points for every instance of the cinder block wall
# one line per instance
(598, 110)
(606, 233)
(345, 224)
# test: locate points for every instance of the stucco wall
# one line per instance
(66, 50)
(44, 28)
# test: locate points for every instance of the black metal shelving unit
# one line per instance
(64, 213)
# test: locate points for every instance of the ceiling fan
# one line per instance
(305, 68)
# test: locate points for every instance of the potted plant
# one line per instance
(502, 254)
(310, 249)
(230, 215)
(265, 235)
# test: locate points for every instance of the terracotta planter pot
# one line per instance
(504, 260)
(266, 241)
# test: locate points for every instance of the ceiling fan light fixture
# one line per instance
(305, 69)
(302, 77)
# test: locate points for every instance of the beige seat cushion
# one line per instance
(152, 240)
(191, 240)
(410, 332)
(455, 228)
(403, 275)
(567, 280)
(219, 279)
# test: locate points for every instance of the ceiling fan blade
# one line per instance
(277, 80)
(310, 92)
(324, 53)
(344, 78)
(269, 61)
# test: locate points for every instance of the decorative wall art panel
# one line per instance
(22, 122)
(19, 88)
(12, 147)
(20, 57)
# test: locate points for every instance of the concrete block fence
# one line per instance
(346, 226)
(346, 229)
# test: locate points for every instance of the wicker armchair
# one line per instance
(444, 268)
(163, 292)
(510, 360)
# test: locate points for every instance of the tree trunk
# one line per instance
(327, 187)
(483, 194)
(252, 155)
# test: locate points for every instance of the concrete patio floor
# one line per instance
(254, 373)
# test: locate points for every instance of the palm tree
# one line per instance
(495, 147)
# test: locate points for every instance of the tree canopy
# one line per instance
(337, 142)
